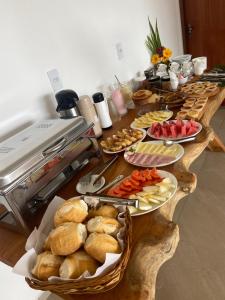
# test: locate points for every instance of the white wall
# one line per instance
(78, 37)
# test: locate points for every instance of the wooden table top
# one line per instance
(155, 235)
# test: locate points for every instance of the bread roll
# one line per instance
(98, 244)
(67, 238)
(72, 210)
(103, 225)
(104, 211)
(76, 264)
(47, 265)
(47, 245)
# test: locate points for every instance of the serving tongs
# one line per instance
(95, 201)
(98, 171)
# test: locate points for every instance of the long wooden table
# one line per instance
(155, 235)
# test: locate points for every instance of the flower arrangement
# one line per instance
(159, 53)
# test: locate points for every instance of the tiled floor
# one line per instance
(197, 270)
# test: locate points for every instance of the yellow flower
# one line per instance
(167, 53)
(164, 59)
(155, 59)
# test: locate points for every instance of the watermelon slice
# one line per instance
(157, 132)
(193, 123)
(173, 130)
(154, 127)
(184, 130)
(191, 130)
(164, 131)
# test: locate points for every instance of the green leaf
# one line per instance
(153, 35)
(157, 34)
(149, 44)
(153, 41)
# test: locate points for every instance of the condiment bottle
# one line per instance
(87, 110)
(102, 110)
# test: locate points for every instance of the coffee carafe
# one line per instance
(67, 104)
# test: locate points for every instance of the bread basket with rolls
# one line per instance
(77, 249)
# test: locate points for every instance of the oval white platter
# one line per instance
(132, 125)
(177, 138)
(163, 174)
(181, 153)
(114, 152)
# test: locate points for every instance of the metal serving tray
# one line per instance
(34, 146)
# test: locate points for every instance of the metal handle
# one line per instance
(94, 200)
(105, 168)
(119, 201)
(185, 140)
(117, 179)
(55, 147)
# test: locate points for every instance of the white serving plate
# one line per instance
(163, 174)
(114, 152)
(177, 138)
(158, 165)
(132, 125)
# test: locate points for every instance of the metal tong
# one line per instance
(86, 179)
(95, 201)
(108, 164)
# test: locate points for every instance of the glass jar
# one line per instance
(114, 115)
(126, 90)
(118, 100)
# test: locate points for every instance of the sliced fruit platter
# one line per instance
(122, 139)
(152, 188)
(174, 129)
(153, 154)
(147, 119)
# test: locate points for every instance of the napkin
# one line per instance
(14, 287)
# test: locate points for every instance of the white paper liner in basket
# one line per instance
(36, 240)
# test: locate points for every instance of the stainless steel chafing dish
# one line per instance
(37, 161)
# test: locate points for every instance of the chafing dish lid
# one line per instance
(21, 152)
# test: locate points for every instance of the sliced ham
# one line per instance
(146, 160)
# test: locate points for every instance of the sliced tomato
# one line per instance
(125, 188)
(117, 190)
(147, 174)
(134, 182)
(154, 173)
(135, 175)
(127, 182)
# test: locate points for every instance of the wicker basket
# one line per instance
(92, 285)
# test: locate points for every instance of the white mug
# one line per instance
(203, 60)
(199, 66)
